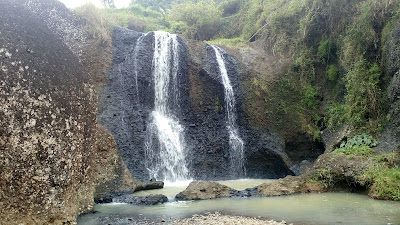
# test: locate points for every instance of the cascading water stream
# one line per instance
(236, 143)
(165, 156)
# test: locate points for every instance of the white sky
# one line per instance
(77, 3)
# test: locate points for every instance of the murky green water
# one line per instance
(328, 208)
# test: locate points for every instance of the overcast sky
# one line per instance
(77, 3)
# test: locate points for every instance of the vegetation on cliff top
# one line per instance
(336, 50)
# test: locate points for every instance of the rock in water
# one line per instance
(198, 190)
(142, 200)
(152, 185)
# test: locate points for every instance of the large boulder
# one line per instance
(288, 186)
(200, 190)
(47, 122)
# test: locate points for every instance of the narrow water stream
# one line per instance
(318, 209)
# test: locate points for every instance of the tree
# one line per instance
(108, 3)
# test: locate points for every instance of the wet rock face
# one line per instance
(392, 50)
(47, 123)
(126, 109)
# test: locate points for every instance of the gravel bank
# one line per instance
(219, 219)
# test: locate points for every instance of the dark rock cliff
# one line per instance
(126, 111)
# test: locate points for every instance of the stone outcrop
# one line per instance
(201, 190)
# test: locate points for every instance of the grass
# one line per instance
(230, 42)
(102, 21)
(384, 182)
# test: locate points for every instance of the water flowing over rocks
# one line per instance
(236, 144)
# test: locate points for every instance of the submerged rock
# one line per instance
(142, 200)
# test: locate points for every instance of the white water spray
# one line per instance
(165, 156)
(236, 144)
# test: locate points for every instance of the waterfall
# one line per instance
(236, 144)
(165, 145)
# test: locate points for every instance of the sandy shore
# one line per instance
(219, 219)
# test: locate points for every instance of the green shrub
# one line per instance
(325, 50)
(178, 27)
(336, 114)
(230, 7)
(332, 72)
(358, 145)
(99, 25)
(233, 42)
(364, 95)
(203, 18)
